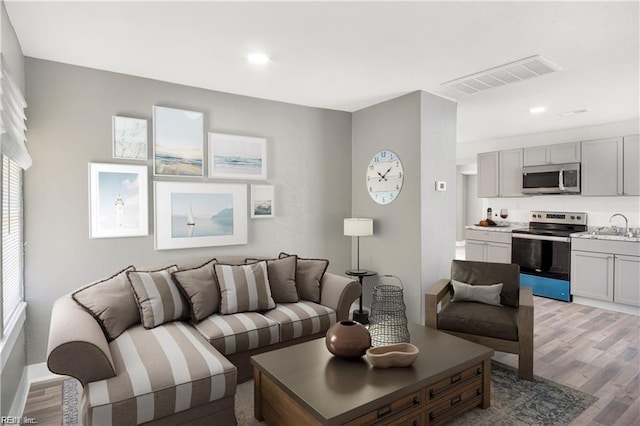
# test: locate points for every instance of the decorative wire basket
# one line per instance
(388, 319)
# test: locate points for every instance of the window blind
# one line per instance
(12, 255)
(12, 118)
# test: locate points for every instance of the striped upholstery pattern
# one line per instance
(301, 319)
(244, 288)
(158, 296)
(159, 372)
(239, 332)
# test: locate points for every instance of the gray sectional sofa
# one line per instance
(179, 358)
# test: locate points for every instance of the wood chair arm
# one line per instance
(433, 296)
(525, 314)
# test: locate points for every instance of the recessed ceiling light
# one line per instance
(538, 110)
(258, 58)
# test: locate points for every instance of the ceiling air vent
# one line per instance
(512, 72)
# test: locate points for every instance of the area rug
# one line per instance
(513, 402)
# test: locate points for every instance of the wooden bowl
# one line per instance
(398, 355)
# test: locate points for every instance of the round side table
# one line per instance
(361, 315)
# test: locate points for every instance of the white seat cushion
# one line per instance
(301, 319)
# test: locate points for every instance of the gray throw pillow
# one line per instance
(200, 288)
(309, 273)
(282, 278)
(111, 302)
(488, 294)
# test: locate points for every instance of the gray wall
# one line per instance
(414, 236)
(70, 110)
(395, 246)
(438, 208)
(17, 359)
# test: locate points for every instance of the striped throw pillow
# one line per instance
(244, 288)
(158, 297)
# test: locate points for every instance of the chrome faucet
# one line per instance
(626, 222)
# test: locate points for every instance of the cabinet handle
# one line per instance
(456, 378)
(456, 399)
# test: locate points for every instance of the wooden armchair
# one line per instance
(506, 328)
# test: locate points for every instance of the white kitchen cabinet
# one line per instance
(488, 246)
(510, 175)
(565, 153)
(631, 168)
(602, 167)
(552, 154)
(626, 284)
(606, 270)
(592, 275)
(536, 156)
(488, 172)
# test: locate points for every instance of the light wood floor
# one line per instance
(589, 349)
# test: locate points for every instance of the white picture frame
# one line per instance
(237, 157)
(199, 214)
(118, 200)
(178, 142)
(130, 138)
(262, 201)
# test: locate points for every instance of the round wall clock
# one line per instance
(384, 177)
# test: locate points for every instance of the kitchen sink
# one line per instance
(614, 232)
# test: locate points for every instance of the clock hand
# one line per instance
(385, 173)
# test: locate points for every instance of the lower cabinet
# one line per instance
(606, 270)
(488, 246)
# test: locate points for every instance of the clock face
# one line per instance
(384, 177)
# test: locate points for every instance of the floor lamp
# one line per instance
(359, 227)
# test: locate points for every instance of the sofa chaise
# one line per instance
(167, 345)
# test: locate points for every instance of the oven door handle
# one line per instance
(541, 237)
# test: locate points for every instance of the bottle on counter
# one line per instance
(489, 213)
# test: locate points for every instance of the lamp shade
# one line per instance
(358, 227)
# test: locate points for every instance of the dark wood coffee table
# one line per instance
(305, 384)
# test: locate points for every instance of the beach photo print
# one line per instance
(237, 157)
(178, 142)
(200, 214)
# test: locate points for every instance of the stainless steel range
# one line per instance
(543, 251)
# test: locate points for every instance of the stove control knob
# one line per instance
(579, 217)
(573, 217)
(539, 216)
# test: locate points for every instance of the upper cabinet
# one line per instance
(500, 174)
(552, 154)
(488, 184)
(510, 173)
(631, 167)
(602, 166)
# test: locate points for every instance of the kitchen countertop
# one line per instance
(591, 236)
(510, 226)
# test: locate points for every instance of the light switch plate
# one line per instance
(441, 185)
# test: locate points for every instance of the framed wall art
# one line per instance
(129, 138)
(237, 157)
(199, 214)
(118, 200)
(262, 201)
(178, 142)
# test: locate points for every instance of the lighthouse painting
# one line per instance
(118, 200)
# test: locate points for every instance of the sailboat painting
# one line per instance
(199, 214)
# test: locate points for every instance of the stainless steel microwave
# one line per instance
(551, 179)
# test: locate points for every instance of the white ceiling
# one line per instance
(349, 55)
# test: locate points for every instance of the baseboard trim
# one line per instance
(618, 307)
(20, 399)
(33, 373)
